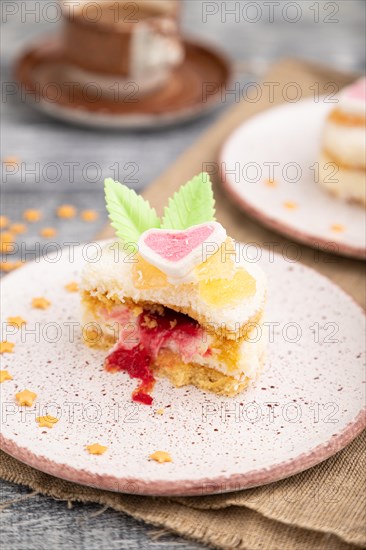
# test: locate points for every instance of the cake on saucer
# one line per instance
(343, 156)
(174, 297)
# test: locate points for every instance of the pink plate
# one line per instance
(306, 406)
(269, 165)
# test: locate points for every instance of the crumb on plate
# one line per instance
(46, 421)
(72, 287)
(337, 228)
(96, 449)
(161, 456)
(5, 375)
(16, 321)
(6, 347)
(290, 205)
(25, 398)
(270, 182)
(40, 303)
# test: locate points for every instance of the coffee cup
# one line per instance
(119, 44)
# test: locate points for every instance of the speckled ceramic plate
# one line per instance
(284, 142)
(306, 405)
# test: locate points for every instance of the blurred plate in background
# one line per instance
(194, 89)
(269, 165)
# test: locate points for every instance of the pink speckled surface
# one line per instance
(306, 405)
(285, 142)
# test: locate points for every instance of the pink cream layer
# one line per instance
(141, 339)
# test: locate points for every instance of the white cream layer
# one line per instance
(112, 275)
(249, 357)
(347, 144)
(347, 183)
(152, 52)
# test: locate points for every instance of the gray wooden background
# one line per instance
(328, 32)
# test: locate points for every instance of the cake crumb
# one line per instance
(91, 334)
(6, 347)
(18, 228)
(66, 211)
(48, 232)
(160, 411)
(5, 375)
(96, 449)
(46, 421)
(89, 215)
(173, 323)
(137, 310)
(149, 323)
(32, 215)
(72, 287)
(157, 308)
(40, 303)
(16, 321)
(25, 398)
(161, 456)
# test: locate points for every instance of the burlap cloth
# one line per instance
(322, 508)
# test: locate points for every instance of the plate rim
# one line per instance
(110, 121)
(205, 485)
(184, 488)
(283, 228)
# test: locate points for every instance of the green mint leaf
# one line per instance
(192, 204)
(129, 213)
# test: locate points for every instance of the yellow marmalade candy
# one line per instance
(219, 265)
(147, 276)
(223, 292)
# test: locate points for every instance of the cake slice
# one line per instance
(175, 297)
(343, 157)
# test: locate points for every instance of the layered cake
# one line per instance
(343, 156)
(174, 297)
(125, 48)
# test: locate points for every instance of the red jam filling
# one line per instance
(154, 332)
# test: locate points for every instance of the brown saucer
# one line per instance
(193, 89)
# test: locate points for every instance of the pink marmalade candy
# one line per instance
(177, 252)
